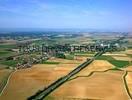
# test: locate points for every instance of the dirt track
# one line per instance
(33, 79)
(26, 82)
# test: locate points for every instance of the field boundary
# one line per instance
(123, 77)
(7, 81)
(126, 85)
(91, 73)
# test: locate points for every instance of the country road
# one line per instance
(40, 95)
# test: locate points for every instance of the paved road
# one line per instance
(43, 93)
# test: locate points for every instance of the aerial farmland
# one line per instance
(26, 65)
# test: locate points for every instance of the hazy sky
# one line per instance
(96, 14)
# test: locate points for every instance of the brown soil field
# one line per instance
(101, 86)
(128, 51)
(129, 68)
(66, 67)
(129, 81)
(8, 42)
(97, 65)
(27, 82)
(65, 61)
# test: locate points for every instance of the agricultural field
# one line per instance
(65, 50)
(5, 50)
(35, 78)
(90, 83)
(97, 65)
(129, 81)
(93, 87)
(116, 60)
(4, 74)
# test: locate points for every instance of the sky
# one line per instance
(82, 14)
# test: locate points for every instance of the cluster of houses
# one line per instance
(23, 66)
(28, 64)
(54, 50)
(70, 48)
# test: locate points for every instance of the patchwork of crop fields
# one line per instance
(108, 77)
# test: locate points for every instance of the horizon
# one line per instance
(111, 15)
(75, 30)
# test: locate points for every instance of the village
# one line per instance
(43, 52)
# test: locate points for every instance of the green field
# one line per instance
(11, 63)
(4, 46)
(130, 55)
(4, 78)
(69, 57)
(117, 63)
(6, 53)
(103, 57)
(5, 50)
(49, 62)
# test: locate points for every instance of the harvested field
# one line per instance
(128, 51)
(81, 58)
(33, 79)
(66, 67)
(125, 58)
(115, 54)
(103, 85)
(97, 65)
(41, 75)
(65, 61)
(8, 42)
(129, 68)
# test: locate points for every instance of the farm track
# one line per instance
(60, 81)
(5, 82)
(46, 91)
